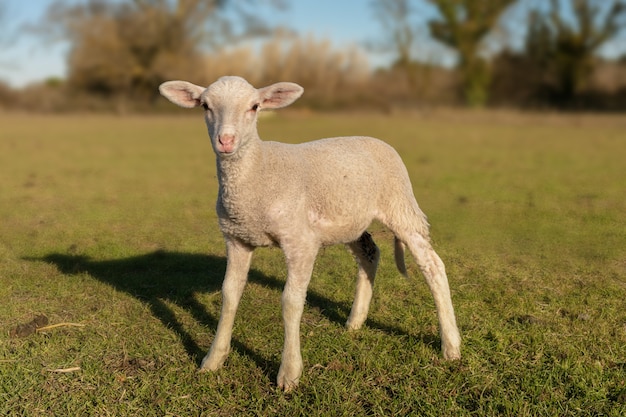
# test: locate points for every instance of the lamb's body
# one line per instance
(326, 192)
(301, 197)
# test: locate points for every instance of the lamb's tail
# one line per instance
(398, 252)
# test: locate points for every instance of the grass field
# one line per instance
(107, 228)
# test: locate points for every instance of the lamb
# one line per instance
(300, 198)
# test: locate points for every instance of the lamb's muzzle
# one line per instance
(227, 143)
(301, 197)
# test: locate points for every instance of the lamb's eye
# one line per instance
(205, 107)
(255, 107)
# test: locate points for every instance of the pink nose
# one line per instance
(227, 142)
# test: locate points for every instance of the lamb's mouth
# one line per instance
(226, 153)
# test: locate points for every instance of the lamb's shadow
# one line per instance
(162, 277)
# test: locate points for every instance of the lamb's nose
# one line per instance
(226, 143)
(226, 139)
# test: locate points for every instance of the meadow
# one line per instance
(108, 234)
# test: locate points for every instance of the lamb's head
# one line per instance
(230, 106)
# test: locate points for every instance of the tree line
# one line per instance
(516, 53)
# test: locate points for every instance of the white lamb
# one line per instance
(301, 197)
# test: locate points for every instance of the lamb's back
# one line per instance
(339, 183)
(343, 167)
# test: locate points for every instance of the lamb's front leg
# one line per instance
(239, 256)
(299, 268)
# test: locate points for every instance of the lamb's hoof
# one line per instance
(352, 327)
(206, 370)
(452, 354)
(287, 385)
(210, 365)
(288, 379)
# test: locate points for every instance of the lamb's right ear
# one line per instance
(279, 95)
(182, 93)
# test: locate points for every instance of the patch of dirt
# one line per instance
(132, 366)
(26, 329)
(525, 319)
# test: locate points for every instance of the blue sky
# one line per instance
(25, 58)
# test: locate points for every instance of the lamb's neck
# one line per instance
(235, 170)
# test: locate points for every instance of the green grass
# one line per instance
(109, 223)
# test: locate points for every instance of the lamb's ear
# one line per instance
(279, 95)
(182, 93)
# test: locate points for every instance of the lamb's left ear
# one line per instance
(182, 93)
(279, 95)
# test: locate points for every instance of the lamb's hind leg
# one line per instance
(434, 271)
(367, 255)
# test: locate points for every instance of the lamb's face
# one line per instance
(230, 105)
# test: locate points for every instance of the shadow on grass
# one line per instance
(161, 276)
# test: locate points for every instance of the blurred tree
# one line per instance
(332, 77)
(124, 49)
(402, 38)
(328, 74)
(563, 49)
(463, 26)
(393, 16)
(7, 96)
